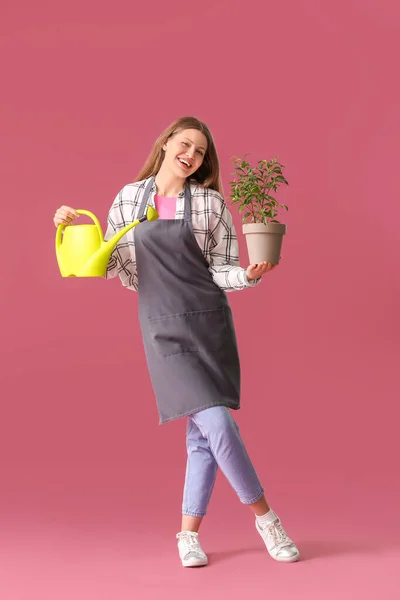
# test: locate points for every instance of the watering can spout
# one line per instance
(83, 252)
(151, 215)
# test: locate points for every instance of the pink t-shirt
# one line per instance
(166, 207)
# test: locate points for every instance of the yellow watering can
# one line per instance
(82, 251)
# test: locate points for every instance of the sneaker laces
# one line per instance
(278, 534)
(191, 541)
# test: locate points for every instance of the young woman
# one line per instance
(182, 265)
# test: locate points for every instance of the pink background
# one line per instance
(91, 485)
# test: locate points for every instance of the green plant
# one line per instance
(251, 189)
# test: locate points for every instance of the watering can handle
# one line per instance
(80, 211)
(94, 218)
(61, 227)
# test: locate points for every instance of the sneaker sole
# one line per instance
(285, 559)
(190, 562)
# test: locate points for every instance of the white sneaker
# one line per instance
(190, 551)
(278, 544)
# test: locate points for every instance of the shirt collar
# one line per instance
(153, 189)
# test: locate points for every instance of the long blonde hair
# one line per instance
(207, 175)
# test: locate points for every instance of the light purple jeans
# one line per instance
(213, 440)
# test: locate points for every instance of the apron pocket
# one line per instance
(198, 331)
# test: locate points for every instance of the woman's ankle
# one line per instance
(190, 523)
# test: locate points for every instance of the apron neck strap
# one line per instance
(188, 198)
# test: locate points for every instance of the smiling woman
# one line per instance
(188, 153)
(192, 153)
(189, 140)
(185, 262)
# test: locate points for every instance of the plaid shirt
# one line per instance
(212, 226)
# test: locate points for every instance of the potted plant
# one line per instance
(251, 190)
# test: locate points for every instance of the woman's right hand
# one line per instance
(65, 215)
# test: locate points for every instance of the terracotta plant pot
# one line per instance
(264, 242)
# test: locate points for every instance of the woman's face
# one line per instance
(184, 151)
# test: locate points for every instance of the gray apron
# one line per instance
(185, 318)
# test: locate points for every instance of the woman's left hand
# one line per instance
(258, 270)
